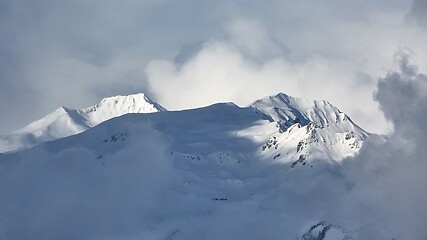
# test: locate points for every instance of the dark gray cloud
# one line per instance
(390, 176)
(74, 53)
(418, 12)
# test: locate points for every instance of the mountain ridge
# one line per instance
(65, 121)
(297, 128)
(202, 160)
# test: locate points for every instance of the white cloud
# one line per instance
(221, 72)
(142, 193)
(103, 52)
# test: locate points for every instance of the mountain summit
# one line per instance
(65, 122)
(166, 172)
(280, 127)
(288, 110)
(309, 128)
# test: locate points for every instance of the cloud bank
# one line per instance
(74, 194)
(52, 52)
(391, 176)
(140, 192)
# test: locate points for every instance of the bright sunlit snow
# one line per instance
(65, 121)
(180, 173)
(219, 120)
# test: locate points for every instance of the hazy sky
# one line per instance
(194, 53)
(139, 190)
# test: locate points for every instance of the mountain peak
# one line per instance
(287, 110)
(309, 127)
(136, 98)
(119, 105)
(65, 121)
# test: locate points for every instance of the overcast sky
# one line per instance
(194, 53)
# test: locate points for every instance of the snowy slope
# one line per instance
(309, 129)
(219, 172)
(65, 121)
(277, 128)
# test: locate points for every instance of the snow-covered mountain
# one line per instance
(64, 121)
(280, 128)
(293, 129)
(309, 129)
(218, 172)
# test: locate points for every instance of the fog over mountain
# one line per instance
(228, 172)
(297, 120)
